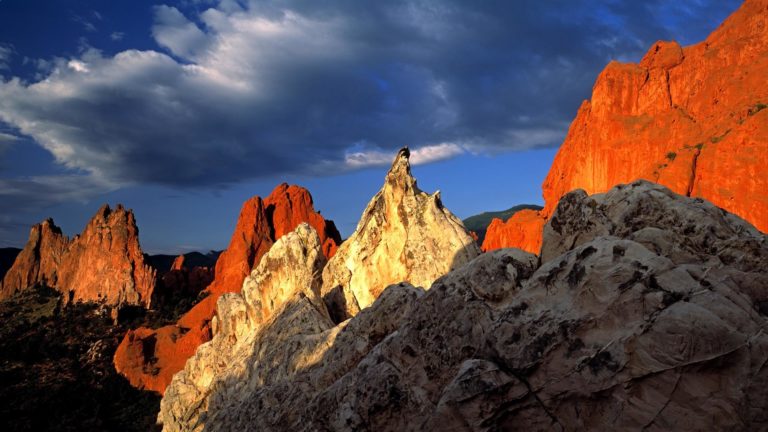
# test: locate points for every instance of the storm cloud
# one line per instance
(246, 90)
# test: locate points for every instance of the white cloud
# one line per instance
(31, 193)
(174, 31)
(419, 156)
(256, 89)
(6, 51)
(78, 66)
(117, 36)
(4, 137)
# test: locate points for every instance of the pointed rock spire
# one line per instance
(404, 235)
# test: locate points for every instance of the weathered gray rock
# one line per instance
(639, 323)
(404, 235)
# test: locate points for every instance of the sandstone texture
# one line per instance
(522, 230)
(150, 357)
(647, 310)
(693, 119)
(104, 264)
(404, 235)
(38, 262)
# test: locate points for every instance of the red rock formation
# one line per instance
(692, 119)
(260, 224)
(182, 280)
(178, 263)
(104, 264)
(38, 262)
(522, 230)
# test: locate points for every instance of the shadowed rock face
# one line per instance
(647, 312)
(149, 357)
(404, 235)
(104, 264)
(693, 119)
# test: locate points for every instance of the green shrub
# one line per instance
(671, 156)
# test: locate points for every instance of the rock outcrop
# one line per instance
(149, 358)
(184, 280)
(648, 312)
(287, 281)
(522, 230)
(38, 262)
(404, 235)
(104, 264)
(692, 119)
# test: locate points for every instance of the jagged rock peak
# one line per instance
(38, 262)
(652, 315)
(103, 264)
(399, 174)
(150, 357)
(283, 294)
(404, 234)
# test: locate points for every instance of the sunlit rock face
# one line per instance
(103, 264)
(522, 230)
(404, 235)
(242, 355)
(693, 119)
(38, 262)
(647, 312)
(148, 358)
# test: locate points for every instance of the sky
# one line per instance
(181, 110)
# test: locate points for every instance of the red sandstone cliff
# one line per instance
(103, 264)
(692, 119)
(38, 262)
(149, 358)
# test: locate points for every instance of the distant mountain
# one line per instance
(7, 257)
(162, 263)
(479, 223)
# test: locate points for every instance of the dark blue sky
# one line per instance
(182, 110)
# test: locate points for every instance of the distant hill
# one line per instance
(7, 257)
(479, 223)
(162, 263)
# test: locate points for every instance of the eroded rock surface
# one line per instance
(287, 281)
(404, 235)
(693, 119)
(637, 319)
(150, 357)
(38, 262)
(104, 264)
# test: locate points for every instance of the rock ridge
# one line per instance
(103, 264)
(687, 118)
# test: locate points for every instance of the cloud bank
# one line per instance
(244, 90)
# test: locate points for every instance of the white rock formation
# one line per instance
(404, 235)
(649, 313)
(247, 333)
